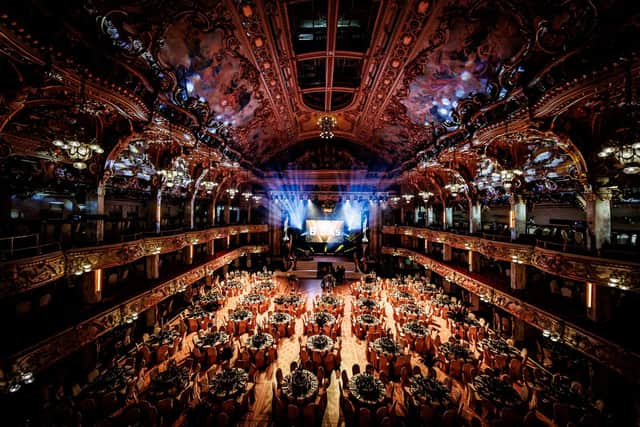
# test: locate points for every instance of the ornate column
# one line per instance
(430, 218)
(447, 217)
(211, 247)
(427, 246)
(474, 261)
(187, 253)
(227, 211)
(517, 216)
(212, 212)
(153, 266)
(155, 210)
(591, 303)
(189, 211)
(92, 287)
(599, 218)
(446, 252)
(518, 276)
(475, 217)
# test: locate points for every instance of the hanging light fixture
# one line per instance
(178, 175)
(78, 152)
(624, 145)
(326, 125)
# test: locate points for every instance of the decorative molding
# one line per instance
(582, 268)
(29, 273)
(47, 352)
(610, 354)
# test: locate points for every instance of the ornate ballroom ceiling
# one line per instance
(435, 93)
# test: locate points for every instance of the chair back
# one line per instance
(293, 412)
(364, 417)
(355, 369)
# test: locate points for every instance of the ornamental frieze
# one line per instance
(83, 260)
(29, 273)
(606, 352)
(58, 346)
(571, 266)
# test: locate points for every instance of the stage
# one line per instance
(318, 266)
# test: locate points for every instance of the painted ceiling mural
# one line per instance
(219, 78)
(209, 71)
(479, 42)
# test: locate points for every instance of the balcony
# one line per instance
(22, 274)
(582, 268)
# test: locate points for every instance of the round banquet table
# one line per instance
(259, 342)
(455, 351)
(115, 379)
(165, 337)
(214, 339)
(169, 383)
(426, 289)
(254, 302)
(367, 305)
(228, 384)
(441, 300)
(415, 329)
(292, 303)
(366, 321)
(194, 316)
(240, 315)
(462, 317)
(279, 317)
(212, 301)
(322, 319)
(365, 290)
(429, 390)
(367, 390)
(500, 393)
(330, 303)
(233, 287)
(319, 343)
(401, 297)
(498, 346)
(410, 311)
(266, 287)
(387, 347)
(300, 387)
(279, 322)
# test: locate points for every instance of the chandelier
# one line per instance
(326, 125)
(178, 175)
(455, 188)
(624, 145)
(425, 195)
(78, 152)
(208, 186)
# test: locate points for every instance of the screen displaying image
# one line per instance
(324, 231)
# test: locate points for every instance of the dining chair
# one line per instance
(309, 414)
(293, 413)
(364, 417)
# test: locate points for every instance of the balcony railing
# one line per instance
(583, 268)
(23, 274)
